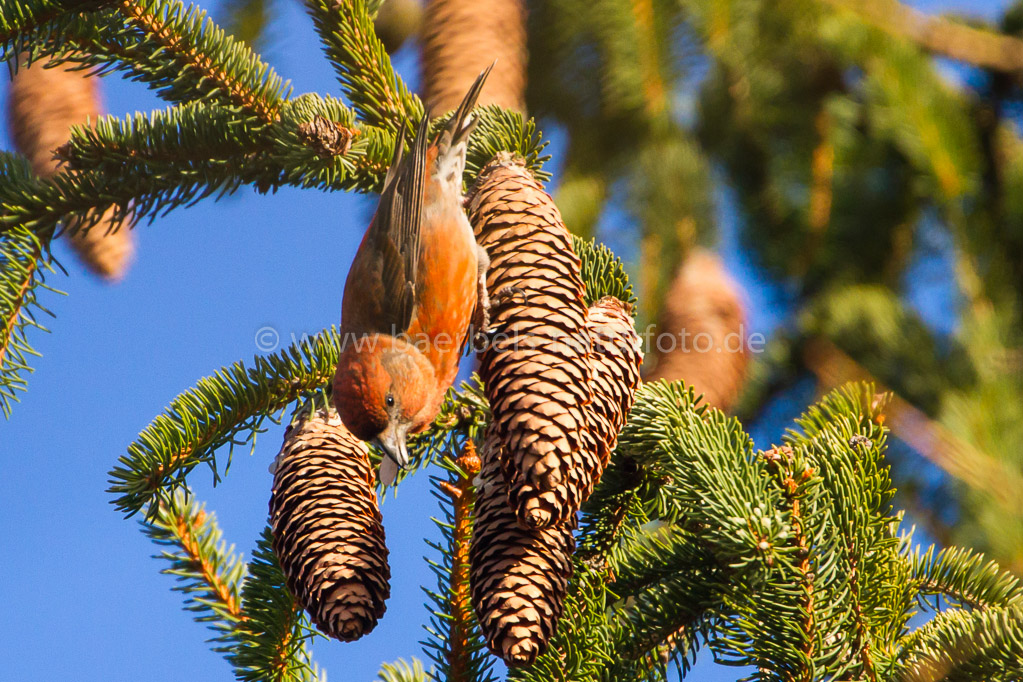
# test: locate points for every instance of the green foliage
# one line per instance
(787, 559)
(379, 95)
(207, 571)
(401, 671)
(452, 643)
(178, 51)
(258, 626)
(502, 130)
(964, 645)
(964, 577)
(602, 272)
(23, 267)
(270, 643)
(711, 477)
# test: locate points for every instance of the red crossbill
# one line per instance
(411, 293)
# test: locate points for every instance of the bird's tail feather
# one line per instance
(453, 139)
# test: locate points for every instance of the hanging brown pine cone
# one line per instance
(616, 358)
(535, 369)
(518, 578)
(43, 105)
(463, 37)
(700, 332)
(327, 526)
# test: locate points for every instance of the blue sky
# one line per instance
(82, 598)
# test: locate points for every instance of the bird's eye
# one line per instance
(389, 400)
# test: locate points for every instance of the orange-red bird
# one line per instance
(411, 293)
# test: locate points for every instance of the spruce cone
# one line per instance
(397, 21)
(616, 359)
(700, 332)
(327, 527)
(463, 37)
(43, 105)
(517, 578)
(536, 370)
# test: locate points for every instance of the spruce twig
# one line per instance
(208, 572)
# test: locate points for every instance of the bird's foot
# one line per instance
(509, 294)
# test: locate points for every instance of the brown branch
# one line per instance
(932, 440)
(779, 461)
(939, 35)
(822, 173)
(185, 529)
(154, 26)
(463, 496)
(652, 82)
(862, 640)
(19, 304)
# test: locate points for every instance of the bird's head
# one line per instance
(382, 390)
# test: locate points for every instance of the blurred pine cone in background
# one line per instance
(700, 336)
(43, 105)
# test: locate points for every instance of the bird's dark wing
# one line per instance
(397, 227)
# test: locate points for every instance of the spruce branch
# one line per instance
(270, 642)
(363, 66)
(178, 52)
(402, 671)
(315, 143)
(222, 407)
(501, 130)
(963, 576)
(934, 441)
(192, 132)
(455, 643)
(602, 272)
(801, 484)
(198, 51)
(23, 267)
(18, 18)
(668, 588)
(843, 441)
(939, 35)
(982, 645)
(208, 572)
(710, 475)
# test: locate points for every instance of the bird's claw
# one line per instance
(509, 294)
